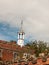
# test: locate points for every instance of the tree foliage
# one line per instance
(37, 47)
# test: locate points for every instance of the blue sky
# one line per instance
(35, 16)
(9, 33)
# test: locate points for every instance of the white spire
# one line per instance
(21, 29)
(21, 35)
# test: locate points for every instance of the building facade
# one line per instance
(8, 51)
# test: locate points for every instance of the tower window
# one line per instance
(15, 55)
(0, 52)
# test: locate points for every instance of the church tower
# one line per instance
(21, 36)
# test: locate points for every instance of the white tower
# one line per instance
(21, 36)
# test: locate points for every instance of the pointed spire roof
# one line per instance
(21, 28)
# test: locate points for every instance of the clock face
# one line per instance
(21, 42)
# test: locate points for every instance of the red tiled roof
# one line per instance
(39, 62)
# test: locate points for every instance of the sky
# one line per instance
(35, 16)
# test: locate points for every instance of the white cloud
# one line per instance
(35, 14)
